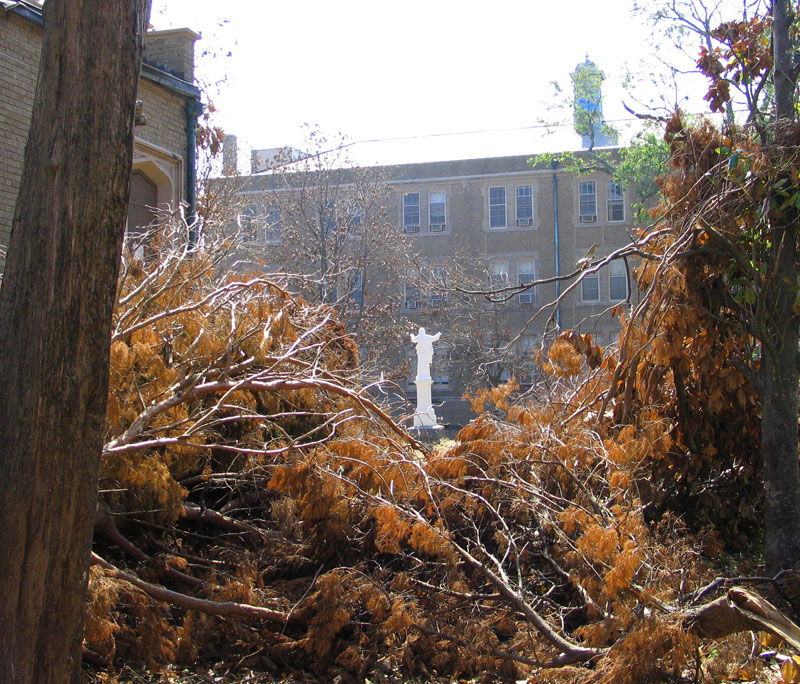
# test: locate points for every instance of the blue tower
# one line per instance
(587, 81)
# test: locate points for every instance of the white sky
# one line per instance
(406, 70)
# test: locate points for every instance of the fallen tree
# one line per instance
(257, 503)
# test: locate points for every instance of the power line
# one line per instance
(423, 136)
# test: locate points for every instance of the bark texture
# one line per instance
(55, 315)
(779, 412)
(780, 372)
(741, 611)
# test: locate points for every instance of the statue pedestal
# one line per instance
(425, 416)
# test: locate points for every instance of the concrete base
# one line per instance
(425, 416)
(427, 433)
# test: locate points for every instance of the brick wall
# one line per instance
(20, 47)
(468, 237)
(166, 118)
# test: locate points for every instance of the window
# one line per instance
(528, 344)
(588, 202)
(615, 202)
(436, 211)
(248, 224)
(411, 212)
(498, 274)
(440, 371)
(352, 218)
(355, 286)
(617, 280)
(524, 205)
(438, 284)
(526, 369)
(590, 288)
(273, 226)
(412, 297)
(525, 273)
(329, 290)
(497, 207)
(258, 227)
(327, 217)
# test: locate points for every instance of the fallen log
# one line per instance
(741, 611)
(221, 608)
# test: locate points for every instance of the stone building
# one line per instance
(512, 223)
(477, 224)
(164, 168)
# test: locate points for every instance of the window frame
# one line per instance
(437, 298)
(612, 277)
(524, 221)
(441, 225)
(411, 291)
(498, 280)
(273, 231)
(406, 223)
(590, 277)
(529, 296)
(618, 199)
(493, 205)
(583, 201)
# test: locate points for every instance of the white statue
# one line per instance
(425, 416)
(424, 344)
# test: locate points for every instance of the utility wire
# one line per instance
(425, 136)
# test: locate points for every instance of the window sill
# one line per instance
(512, 229)
(599, 302)
(601, 224)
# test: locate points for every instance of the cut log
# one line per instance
(742, 611)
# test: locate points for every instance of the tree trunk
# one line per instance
(55, 316)
(780, 372)
(779, 445)
(784, 76)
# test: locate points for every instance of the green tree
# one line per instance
(55, 316)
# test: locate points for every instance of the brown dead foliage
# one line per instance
(245, 466)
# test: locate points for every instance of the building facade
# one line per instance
(483, 225)
(164, 169)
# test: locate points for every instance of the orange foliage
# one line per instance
(381, 552)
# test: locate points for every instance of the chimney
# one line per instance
(230, 155)
(171, 51)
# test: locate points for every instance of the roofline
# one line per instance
(164, 78)
(183, 31)
(414, 173)
(24, 8)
